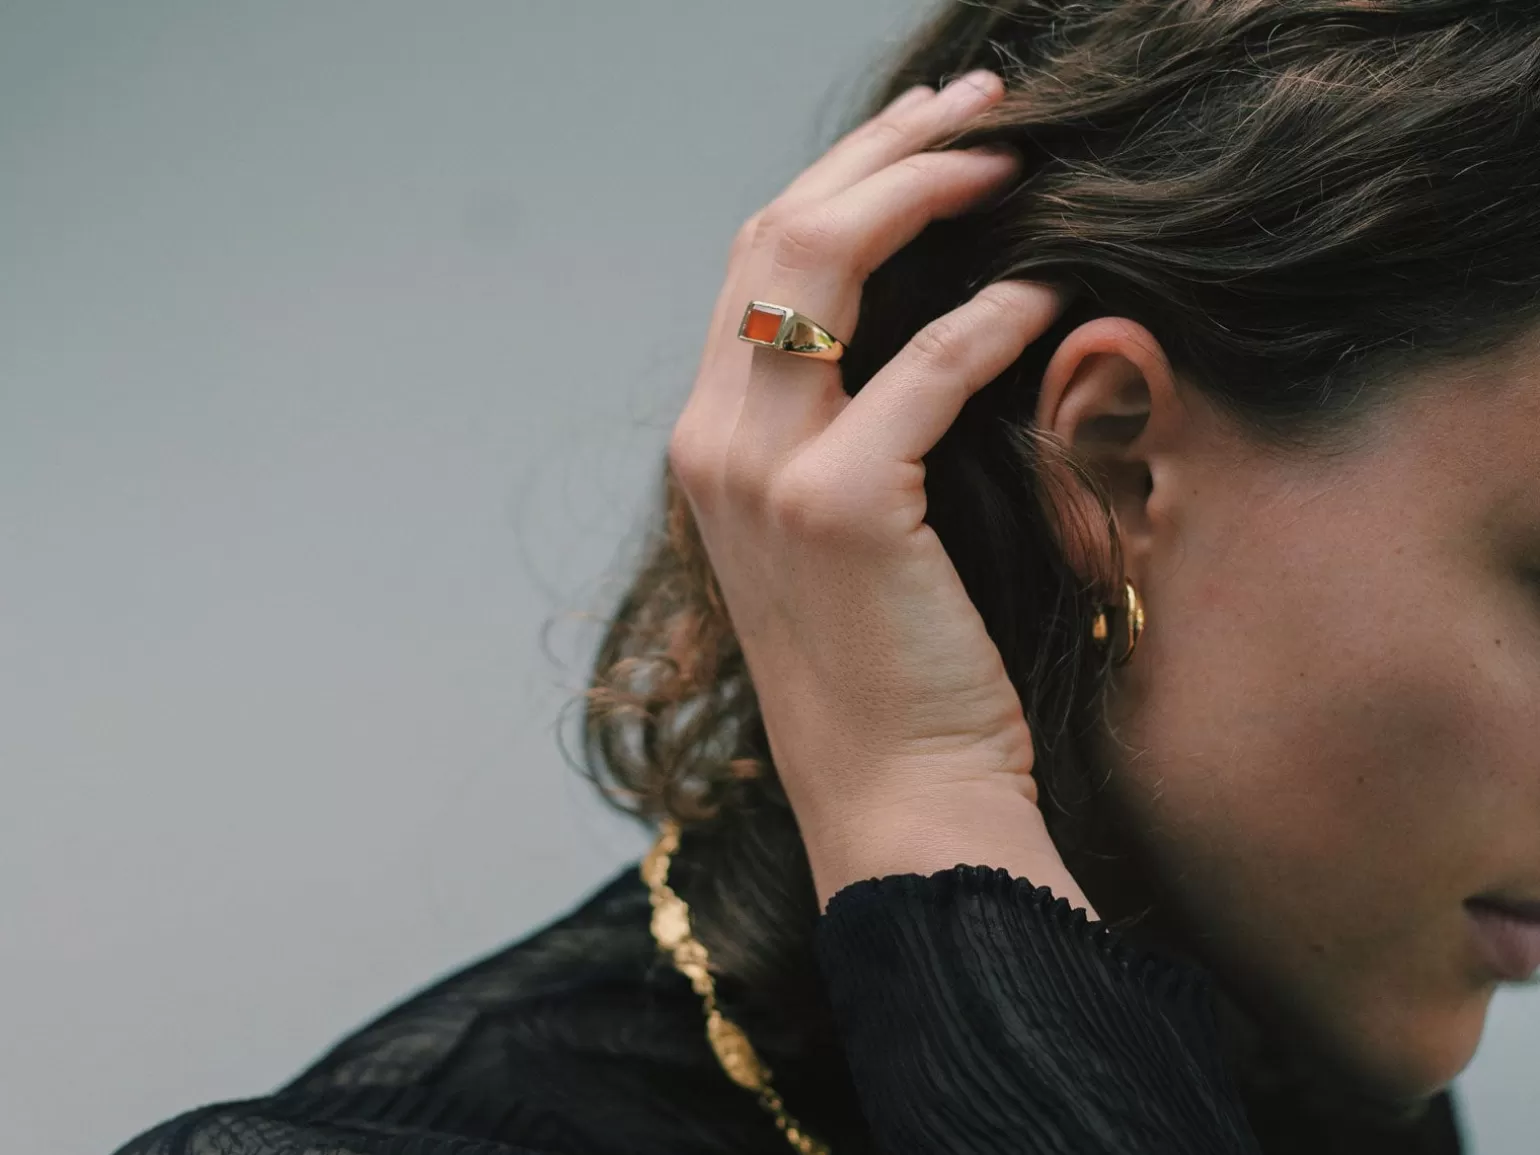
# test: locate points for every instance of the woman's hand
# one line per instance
(900, 741)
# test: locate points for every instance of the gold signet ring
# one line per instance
(778, 327)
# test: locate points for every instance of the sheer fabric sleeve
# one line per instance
(361, 1121)
(982, 1016)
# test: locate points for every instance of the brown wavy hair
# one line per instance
(1298, 198)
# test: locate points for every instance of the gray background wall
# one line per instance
(315, 405)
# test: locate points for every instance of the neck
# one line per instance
(1276, 1077)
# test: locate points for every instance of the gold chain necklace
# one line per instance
(671, 929)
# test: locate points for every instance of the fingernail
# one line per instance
(973, 87)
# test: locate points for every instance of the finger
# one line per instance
(915, 94)
(730, 303)
(817, 263)
(910, 121)
(727, 304)
(819, 257)
(816, 179)
(902, 412)
(907, 125)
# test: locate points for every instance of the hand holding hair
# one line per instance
(897, 734)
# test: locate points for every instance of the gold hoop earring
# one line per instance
(1133, 613)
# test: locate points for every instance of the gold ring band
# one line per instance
(778, 327)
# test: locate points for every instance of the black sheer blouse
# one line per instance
(976, 1014)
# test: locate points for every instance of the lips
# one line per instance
(1518, 909)
(1507, 935)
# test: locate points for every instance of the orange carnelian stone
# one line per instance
(762, 325)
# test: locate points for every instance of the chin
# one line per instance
(1377, 1050)
(1420, 1052)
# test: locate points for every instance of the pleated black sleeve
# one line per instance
(982, 1016)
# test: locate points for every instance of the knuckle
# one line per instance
(694, 457)
(768, 222)
(803, 502)
(891, 131)
(743, 239)
(999, 300)
(808, 241)
(924, 166)
(942, 342)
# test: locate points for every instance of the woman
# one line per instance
(1143, 617)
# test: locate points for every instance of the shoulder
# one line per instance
(492, 1059)
(339, 1124)
(546, 977)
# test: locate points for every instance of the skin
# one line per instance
(1326, 740)
(1322, 746)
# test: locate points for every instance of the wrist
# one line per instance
(962, 824)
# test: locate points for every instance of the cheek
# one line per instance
(1320, 770)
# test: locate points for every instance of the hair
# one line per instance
(1298, 198)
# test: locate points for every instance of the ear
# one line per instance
(1109, 395)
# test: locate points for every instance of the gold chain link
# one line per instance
(671, 929)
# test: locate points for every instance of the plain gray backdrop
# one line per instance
(339, 347)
